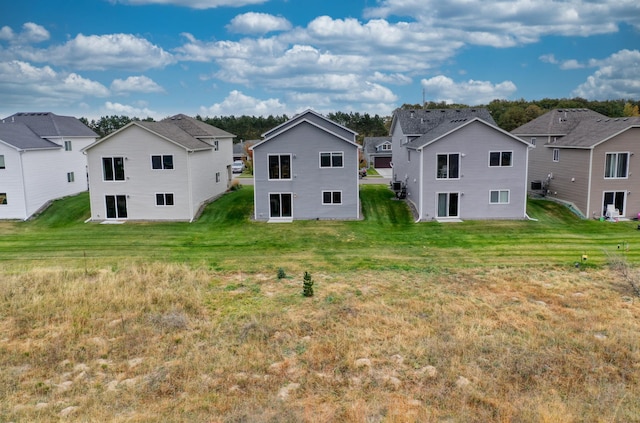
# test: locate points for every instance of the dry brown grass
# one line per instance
(167, 343)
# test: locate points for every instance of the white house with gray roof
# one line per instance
(306, 168)
(455, 164)
(40, 161)
(165, 170)
(587, 160)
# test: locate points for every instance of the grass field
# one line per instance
(178, 322)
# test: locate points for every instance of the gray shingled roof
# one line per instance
(47, 124)
(421, 121)
(591, 132)
(175, 133)
(557, 122)
(197, 128)
(431, 124)
(371, 143)
(22, 137)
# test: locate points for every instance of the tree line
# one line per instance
(508, 115)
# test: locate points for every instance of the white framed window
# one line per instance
(448, 166)
(279, 166)
(332, 159)
(533, 141)
(331, 197)
(162, 161)
(164, 199)
(217, 177)
(616, 165)
(499, 196)
(71, 177)
(386, 146)
(500, 158)
(67, 146)
(113, 168)
(280, 205)
(448, 204)
(3, 198)
(2, 165)
(116, 206)
(216, 145)
(556, 154)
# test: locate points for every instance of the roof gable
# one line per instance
(446, 128)
(590, 133)
(305, 115)
(181, 130)
(303, 122)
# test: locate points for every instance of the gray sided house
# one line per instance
(586, 160)
(306, 168)
(377, 152)
(40, 160)
(165, 170)
(457, 164)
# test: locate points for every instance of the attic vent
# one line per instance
(412, 114)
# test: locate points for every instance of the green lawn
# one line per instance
(225, 238)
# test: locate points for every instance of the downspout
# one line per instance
(24, 187)
(526, 179)
(588, 212)
(358, 183)
(190, 185)
(420, 186)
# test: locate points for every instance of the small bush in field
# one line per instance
(281, 273)
(307, 285)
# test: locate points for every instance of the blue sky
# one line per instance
(155, 58)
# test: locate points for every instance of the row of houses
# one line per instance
(449, 164)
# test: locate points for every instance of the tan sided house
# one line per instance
(586, 160)
(165, 170)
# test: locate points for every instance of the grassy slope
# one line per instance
(224, 238)
(188, 322)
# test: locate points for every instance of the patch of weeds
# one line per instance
(281, 273)
(169, 321)
(307, 285)
(233, 287)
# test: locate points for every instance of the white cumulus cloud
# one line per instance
(258, 23)
(140, 84)
(442, 88)
(237, 103)
(616, 77)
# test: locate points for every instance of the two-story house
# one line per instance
(40, 160)
(457, 164)
(306, 168)
(377, 152)
(586, 160)
(165, 170)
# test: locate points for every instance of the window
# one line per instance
(556, 154)
(162, 162)
(2, 162)
(385, 146)
(616, 165)
(217, 177)
(280, 166)
(3, 198)
(448, 166)
(499, 196)
(116, 206)
(533, 142)
(71, 177)
(67, 146)
(448, 203)
(164, 199)
(216, 145)
(333, 159)
(500, 158)
(113, 168)
(331, 197)
(280, 205)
